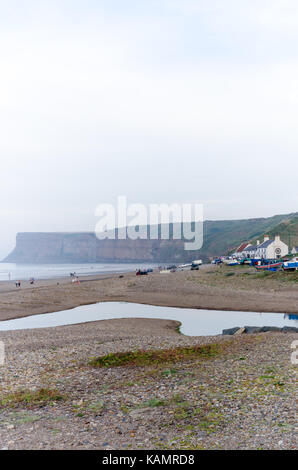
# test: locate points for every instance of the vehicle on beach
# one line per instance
(184, 267)
(144, 271)
(141, 272)
(194, 265)
(197, 262)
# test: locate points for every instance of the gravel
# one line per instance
(243, 398)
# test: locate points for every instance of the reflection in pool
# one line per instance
(194, 322)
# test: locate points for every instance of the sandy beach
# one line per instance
(221, 392)
(216, 288)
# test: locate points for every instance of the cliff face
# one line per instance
(84, 248)
(219, 237)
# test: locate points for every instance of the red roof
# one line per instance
(242, 247)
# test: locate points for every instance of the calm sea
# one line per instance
(9, 271)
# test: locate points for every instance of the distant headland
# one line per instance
(219, 237)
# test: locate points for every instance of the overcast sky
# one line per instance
(158, 100)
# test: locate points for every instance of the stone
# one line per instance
(252, 329)
(231, 331)
(264, 329)
(239, 332)
(289, 329)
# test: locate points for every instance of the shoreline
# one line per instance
(210, 288)
(221, 395)
(126, 268)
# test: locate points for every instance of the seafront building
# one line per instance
(268, 249)
(239, 252)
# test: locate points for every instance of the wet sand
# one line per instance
(213, 288)
(243, 397)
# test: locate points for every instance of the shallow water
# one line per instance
(194, 322)
(10, 271)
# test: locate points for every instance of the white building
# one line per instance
(272, 249)
(240, 250)
(294, 250)
(250, 251)
(269, 249)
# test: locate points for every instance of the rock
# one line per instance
(239, 332)
(264, 329)
(231, 331)
(274, 329)
(252, 329)
(289, 329)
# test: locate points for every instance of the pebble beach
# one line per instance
(240, 394)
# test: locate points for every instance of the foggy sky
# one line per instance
(158, 100)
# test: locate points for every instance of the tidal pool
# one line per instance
(194, 322)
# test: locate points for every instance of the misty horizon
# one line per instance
(163, 102)
(2, 256)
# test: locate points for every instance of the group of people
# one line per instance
(31, 280)
(75, 278)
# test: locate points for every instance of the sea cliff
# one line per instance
(87, 248)
(219, 237)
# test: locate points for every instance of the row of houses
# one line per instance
(268, 249)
